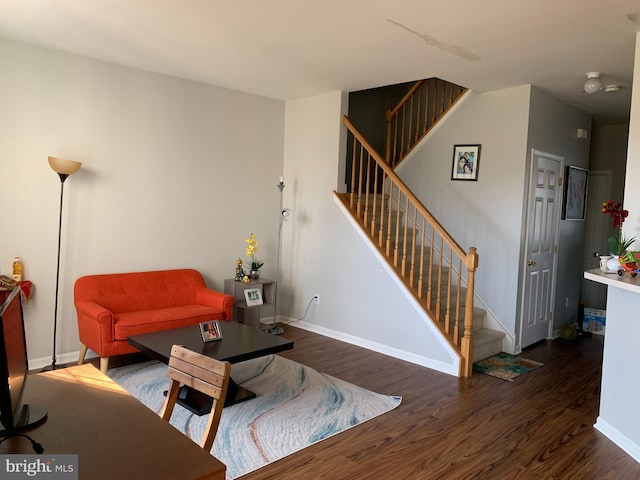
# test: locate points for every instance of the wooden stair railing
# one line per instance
(416, 114)
(437, 271)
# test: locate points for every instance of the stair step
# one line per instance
(449, 291)
(386, 220)
(400, 237)
(478, 319)
(434, 276)
(375, 217)
(486, 343)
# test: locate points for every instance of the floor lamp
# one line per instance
(63, 168)
(283, 215)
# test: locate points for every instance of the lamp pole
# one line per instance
(275, 329)
(63, 168)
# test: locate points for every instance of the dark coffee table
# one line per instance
(239, 343)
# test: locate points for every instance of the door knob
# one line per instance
(531, 263)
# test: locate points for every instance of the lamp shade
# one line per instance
(64, 166)
(593, 83)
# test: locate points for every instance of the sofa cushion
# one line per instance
(129, 292)
(145, 321)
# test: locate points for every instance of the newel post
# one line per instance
(466, 344)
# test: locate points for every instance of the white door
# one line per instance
(543, 216)
(596, 228)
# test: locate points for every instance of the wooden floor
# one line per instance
(539, 427)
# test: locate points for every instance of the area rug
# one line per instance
(296, 406)
(505, 366)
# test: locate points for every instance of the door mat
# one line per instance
(505, 366)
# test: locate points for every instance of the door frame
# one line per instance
(523, 260)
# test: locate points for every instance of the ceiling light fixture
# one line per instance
(593, 83)
(611, 88)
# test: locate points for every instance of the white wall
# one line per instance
(631, 190)
(323, 253)
(486, 214)
(178, 174)
(619, 417)
(175, 174)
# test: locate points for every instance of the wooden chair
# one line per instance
(201, 373)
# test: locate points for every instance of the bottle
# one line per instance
(17, 269)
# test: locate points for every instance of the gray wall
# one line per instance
(609, 152)
(552, 129)
(490, 213)
(367, 111)
(323, 253)
(486, 214)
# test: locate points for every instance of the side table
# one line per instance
(26, 289)
(243, 313)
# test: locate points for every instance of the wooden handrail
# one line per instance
(403, 187)
(405, 99)
(431, 264)
(416, 115)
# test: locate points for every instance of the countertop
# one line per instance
(626, 281)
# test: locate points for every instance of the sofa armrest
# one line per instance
(95, 325)
(92, 311)
(213, 298)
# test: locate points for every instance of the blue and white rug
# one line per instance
(296, 406)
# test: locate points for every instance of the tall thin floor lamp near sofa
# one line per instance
(63, 168)
(284, 214)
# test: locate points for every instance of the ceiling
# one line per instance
(287, 49)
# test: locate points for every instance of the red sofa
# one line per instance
(111, 307)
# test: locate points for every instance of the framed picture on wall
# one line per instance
(466, 161)
(575, 193)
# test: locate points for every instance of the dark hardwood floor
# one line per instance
(538, 427)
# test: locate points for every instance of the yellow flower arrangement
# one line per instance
(252, 247)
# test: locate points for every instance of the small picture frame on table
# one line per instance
(466, 162)
(210, 331)
(253, 296)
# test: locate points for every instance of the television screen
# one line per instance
(14, 366)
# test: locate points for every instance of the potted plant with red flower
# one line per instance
(618, 244)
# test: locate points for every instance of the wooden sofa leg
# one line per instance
(104, 364)
(83, 352)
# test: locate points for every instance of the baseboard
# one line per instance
(379, 348)
(38, 363)
(633, 449)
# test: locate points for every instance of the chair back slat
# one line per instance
(212, 388)
(201, 373)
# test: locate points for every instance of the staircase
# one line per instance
(433, 267)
